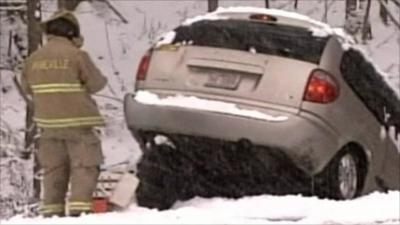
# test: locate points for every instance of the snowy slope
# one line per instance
(117, 47)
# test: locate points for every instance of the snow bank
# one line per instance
(376, 208)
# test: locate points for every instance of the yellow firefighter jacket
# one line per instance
(60, 78)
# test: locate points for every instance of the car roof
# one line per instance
(280, 16)
(279, 19)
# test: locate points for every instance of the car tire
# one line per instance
(341, 179)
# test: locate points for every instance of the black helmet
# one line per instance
(62, 27)
(62, 23)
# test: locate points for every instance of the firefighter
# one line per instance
(60, 78)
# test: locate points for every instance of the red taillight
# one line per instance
(321, 87)
(143, 66)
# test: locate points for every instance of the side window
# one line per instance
(369, 86)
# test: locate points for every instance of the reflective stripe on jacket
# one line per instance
(51, 208)
(80, 206)
(56, 88)
(61, 78)
(69, 122)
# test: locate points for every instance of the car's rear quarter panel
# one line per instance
(350, 118)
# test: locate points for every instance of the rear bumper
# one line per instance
(306, 140)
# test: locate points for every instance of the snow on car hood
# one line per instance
(191, 102)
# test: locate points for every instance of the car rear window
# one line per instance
(287, 41)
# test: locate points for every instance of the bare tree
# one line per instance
(383, 14)
(296, 3)
(212, 5)
(68, 4)
(357, 21)
(390, 15)
(351, 6)
(34, 31)
(326, 8)
(366, 29)
(34, 41)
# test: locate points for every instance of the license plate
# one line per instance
(223, 80)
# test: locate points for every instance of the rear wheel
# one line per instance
(347, 173)
(342, 178)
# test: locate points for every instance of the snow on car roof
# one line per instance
(166, 38)
(284, 17)
(317, 28)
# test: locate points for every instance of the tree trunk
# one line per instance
(34, 41)
(34, 31)
(68, 4)
(366, 29)
(355, 16)
(325, 17)
(351, 5)
(383, 14)
(212, 5)
(266, 3)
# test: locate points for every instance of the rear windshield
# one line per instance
(287, 41)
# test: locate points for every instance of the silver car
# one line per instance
(246, 102)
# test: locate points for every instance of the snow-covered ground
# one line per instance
(372, 209)
(117, 47)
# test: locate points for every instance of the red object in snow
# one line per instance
(100, 205)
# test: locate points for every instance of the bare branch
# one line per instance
(383, 13)
(392, 18)
(396, 2)
(20, 91)
(123, 19)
